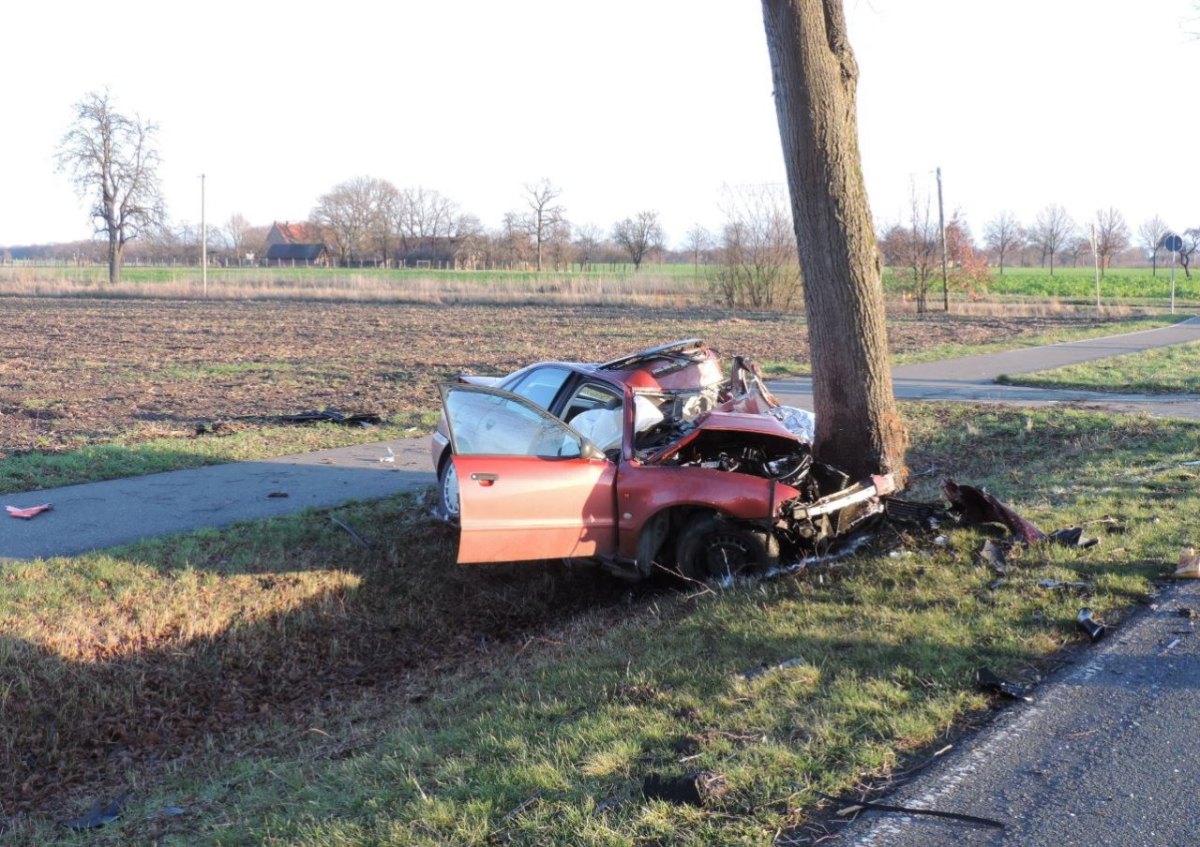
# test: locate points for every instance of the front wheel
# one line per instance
(448, 499)
(715, 548)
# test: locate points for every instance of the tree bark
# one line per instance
(815, 77)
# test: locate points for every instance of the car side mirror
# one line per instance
(591, 451)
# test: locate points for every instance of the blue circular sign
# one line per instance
(1172, 242)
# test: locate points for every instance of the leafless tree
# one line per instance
(1150, 236)
(697, 241)
(1002, 235)
(758, 266)
(815, 78)
(239, 232)
(587, 244)
(915, 245)
(1077, 247)
(1191, 242)
(543, 213)
(1051, 231)
(1112, 235)
(558, 244)
(112, 158)
(638, 235)
(354, 214)
(424, 215)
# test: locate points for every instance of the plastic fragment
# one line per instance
(98, 815)
(1086, 623)
(988, 681)
(696, 788)
(977, 506)
(30, 512)
(1189, 564)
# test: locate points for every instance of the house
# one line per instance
(292, 243)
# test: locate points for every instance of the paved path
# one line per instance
(104, 514)
(971, 378)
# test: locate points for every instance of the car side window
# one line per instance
(591, 396)
(486, 424)
(540, 385)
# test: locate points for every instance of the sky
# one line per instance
(624, 105)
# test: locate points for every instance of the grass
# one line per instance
(1171, 370)
(281, 684)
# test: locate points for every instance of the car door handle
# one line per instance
(485, 479)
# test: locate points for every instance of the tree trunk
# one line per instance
(114, 258)
(815, 76)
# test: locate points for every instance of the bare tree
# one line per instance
(1112, 235)
(112, 159)
(353, 215)
(543, 213)
(758, 267)
(697, 241)
(1051, 232)
(587, 245)
(1150, 235)
(239, 232)
(424, 215)
(815, 76)
(1002, 235)
(638, 235)
(1191, 242)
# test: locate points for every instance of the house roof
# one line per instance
(294, 233)
(295, 252)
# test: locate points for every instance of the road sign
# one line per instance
(1172, 242)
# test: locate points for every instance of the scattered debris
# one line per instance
(1189, 564)
(350, 530)
(988, 681)
(978, 507)
(1187, 612)
(764, 668)
(695, 788)
(995, 556)
(277, 495)
(1073, 537)
(1078, 585)
(1174, 643)
(1086, 623)
(924, 515)
(365, 419)
(173, 811)
(99, 815)
(390, 457)
(856, 806)
(28, 513)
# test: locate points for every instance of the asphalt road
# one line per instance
(1107, 755)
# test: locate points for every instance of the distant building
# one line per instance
(293, 243)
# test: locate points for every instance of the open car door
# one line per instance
(530, 487)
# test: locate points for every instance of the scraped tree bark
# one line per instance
(815, 77)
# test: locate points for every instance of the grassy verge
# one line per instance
(278, 683)
(1171, 370)
(132, 457)
(938, 352)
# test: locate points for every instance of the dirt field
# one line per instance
(78, 371)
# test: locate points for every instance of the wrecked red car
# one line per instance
(653, 460)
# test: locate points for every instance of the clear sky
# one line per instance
(625, 104)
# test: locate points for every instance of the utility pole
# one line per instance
(942, 226)
(203, 242)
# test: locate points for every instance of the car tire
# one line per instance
(713, 547)
(448, 496)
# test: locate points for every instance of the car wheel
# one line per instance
(448, 490)
(715, 548)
